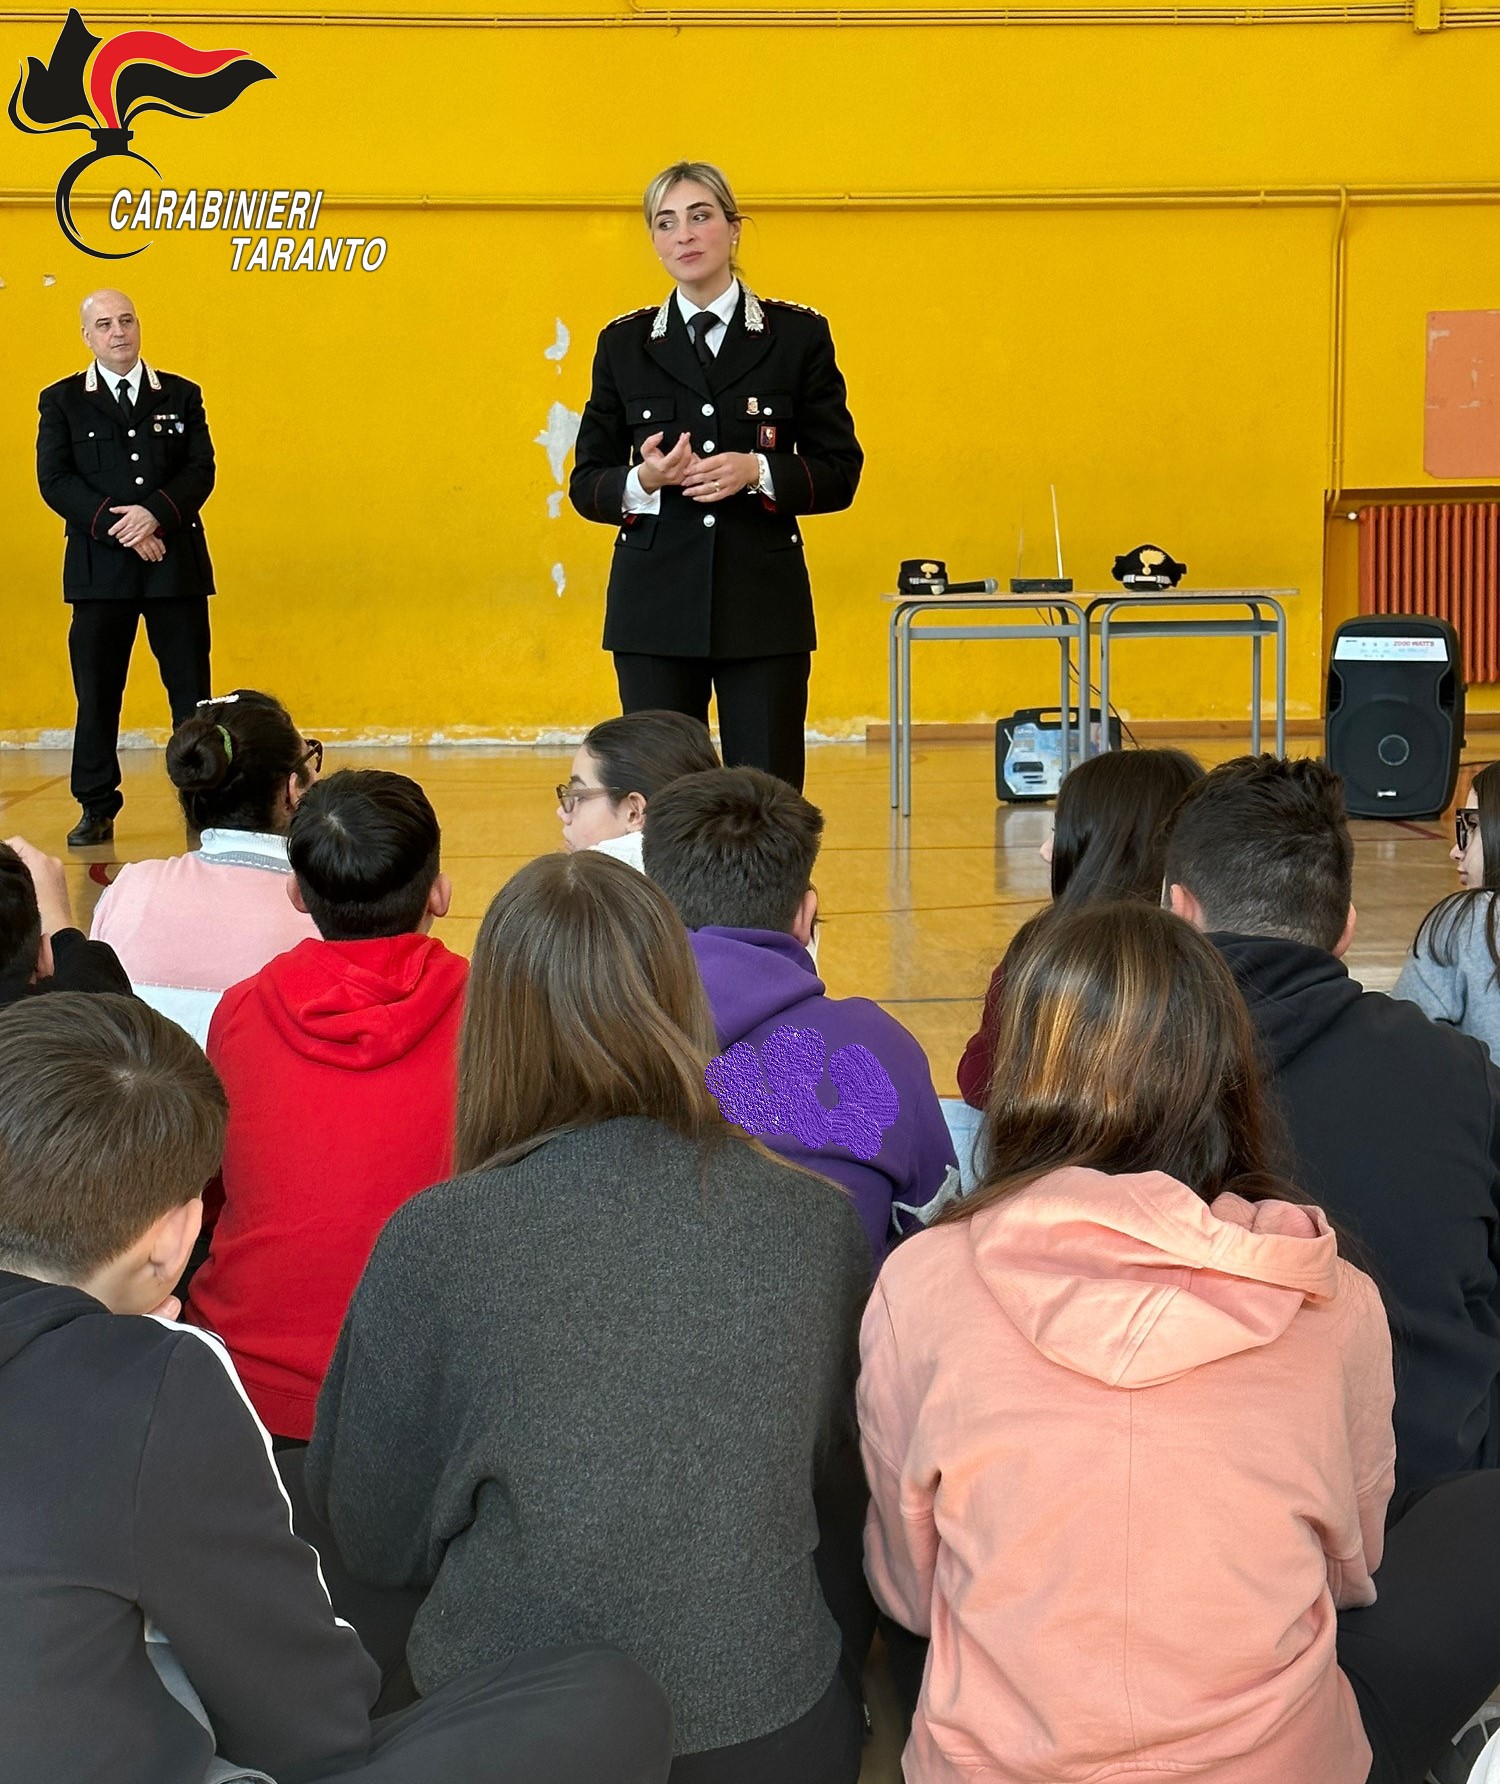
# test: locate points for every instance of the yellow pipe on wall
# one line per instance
(1337, 316)
(675, 15)
(1344, 198)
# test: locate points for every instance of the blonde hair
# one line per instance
(584, 1004)
(701, 173)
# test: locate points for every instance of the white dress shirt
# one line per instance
(637, 500)
(111, 381)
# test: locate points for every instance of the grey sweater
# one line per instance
(1452, 977)
(588, 1396)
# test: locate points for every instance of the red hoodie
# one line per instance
(340, 1063)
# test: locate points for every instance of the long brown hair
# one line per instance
(584, 1004)
(1109, 839)
(1124, 1045)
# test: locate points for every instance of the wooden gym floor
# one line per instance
(916, 913)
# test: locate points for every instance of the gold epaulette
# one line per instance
(785, 303)
(630, 315)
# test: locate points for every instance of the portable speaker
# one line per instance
(1028, 752)
(1395, 714)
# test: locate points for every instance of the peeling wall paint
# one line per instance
(556, 440)
(557, 437)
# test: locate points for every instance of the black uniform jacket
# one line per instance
(722, 579)
(89, 459)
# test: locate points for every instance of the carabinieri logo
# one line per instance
(138, 71)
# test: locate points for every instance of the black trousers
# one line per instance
(823, 1746)
(1421, 1659)
(100, 639)
(762, 703)
(552, 1716)
(1426, 1654)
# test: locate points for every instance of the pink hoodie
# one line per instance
(1127, 1453)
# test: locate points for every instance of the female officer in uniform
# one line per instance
(716, 421)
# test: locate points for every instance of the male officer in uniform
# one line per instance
(123, 455)
(717, 592)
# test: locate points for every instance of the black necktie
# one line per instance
(122, 397)
(698, 326)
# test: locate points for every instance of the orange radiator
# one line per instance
(1441, 558)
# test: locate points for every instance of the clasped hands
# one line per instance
(700, 479)
(136, 531)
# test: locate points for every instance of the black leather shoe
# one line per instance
(92, 829)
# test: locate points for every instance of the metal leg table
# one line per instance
(1266, 619)
(1068, 627)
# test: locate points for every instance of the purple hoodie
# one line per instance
(833, 1083)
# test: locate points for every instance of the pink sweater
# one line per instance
(188, 928)
(1127, 1453)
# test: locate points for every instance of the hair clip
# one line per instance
(219, 700)
(228, 743)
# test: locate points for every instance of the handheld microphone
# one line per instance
(929, 576)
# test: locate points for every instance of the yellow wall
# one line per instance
(380, 530)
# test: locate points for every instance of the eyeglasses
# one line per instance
(314, 754)
(568, 796)
(1465, 823)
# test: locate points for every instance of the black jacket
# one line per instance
(135, 1484)
(90, 459)
(1395, 1125)
(77, 965)
(727, 579)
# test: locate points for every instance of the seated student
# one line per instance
(357, 1033)
(40, 950)
(154, 1603)
(1126, 1418)
(189, 927)
(620, 765)
(1108, 842)
(1394, 1120)
(1453, 970)
(834, 1083)
(592, 1383)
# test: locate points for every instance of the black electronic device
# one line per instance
(1395, 714)
(1041, 585)
(1028, 751)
